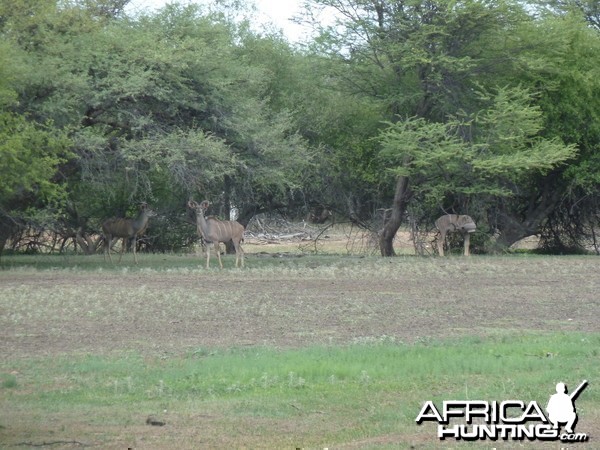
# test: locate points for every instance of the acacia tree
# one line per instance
(30, 153)
(186, 101)
(429, 60)
(561, 66)
(419, 59)
(161, 107)
(492, 154)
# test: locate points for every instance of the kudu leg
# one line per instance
(239, 254)
(107, 246)
(208, 246)
(134, 244)
(123, 247)
(467, 244)
(218, 251)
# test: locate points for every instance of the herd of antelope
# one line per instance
(214, 231)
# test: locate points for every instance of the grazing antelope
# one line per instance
(214, 231)
(127, 229)
(454, 222)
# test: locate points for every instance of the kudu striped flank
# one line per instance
(126, 229)
(214, 231)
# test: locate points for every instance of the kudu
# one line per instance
(214, 231)
(453, 222)
(126, 229)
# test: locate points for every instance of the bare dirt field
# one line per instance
(293, 302)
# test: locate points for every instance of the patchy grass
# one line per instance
(311, 351)
(311, 397)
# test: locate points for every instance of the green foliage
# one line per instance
(30, 152)
(191, 160)
(509, 138)
(29, 157)
(190, 101)
(10, 71)
(566, 73)
(433, 60)
(180, 102)
(487, 153)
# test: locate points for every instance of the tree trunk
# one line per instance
(513, 227)
(225, 210)
(3, 239)
(8, 226)
(511, 231)
(88, 246)
(386, 237)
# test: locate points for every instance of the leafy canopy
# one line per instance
(490, 152)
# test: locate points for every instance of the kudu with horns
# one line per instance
(454, 222)
(214, 231)
(126, 229)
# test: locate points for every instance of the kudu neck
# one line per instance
(201, 220)
(141, 220)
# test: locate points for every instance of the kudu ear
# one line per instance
(192, 204)
(143, 205)
(205, 204)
